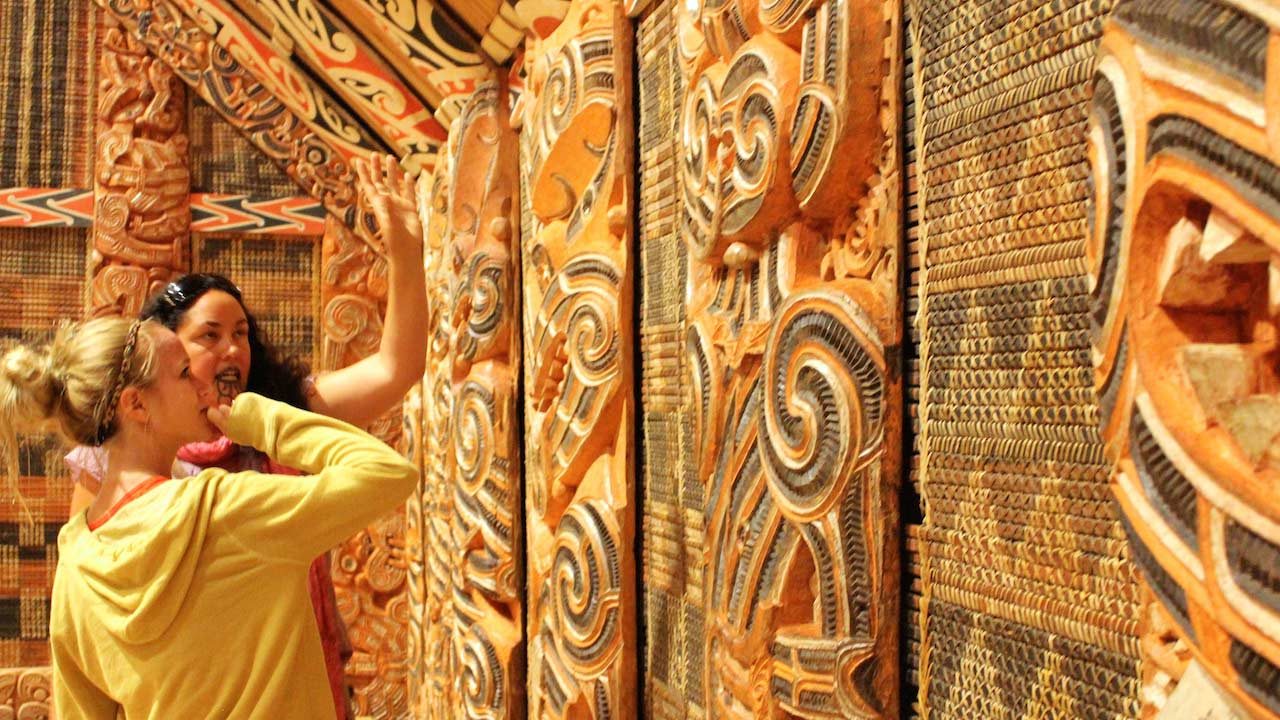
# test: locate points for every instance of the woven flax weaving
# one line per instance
(223, 161)
(41, 282)
(673, 529)
(1031, 602)
(46, 91)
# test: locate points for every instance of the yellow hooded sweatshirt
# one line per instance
(191, 601)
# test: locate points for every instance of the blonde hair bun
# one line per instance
(29, 387)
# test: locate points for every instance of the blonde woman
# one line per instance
(230, 352)
(179, 599)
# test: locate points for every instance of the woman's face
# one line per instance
(176, 400)
(215, 333)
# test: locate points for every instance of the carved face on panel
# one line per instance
(479, 234)
(776, 121)
(782, 149)
(575, 197)
(1184, 249)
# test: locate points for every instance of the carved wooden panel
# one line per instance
(142, 181)
(577, 156)
(369, 569)
(1184, 251)
(473, 572)
(790, 190)
(26, 694)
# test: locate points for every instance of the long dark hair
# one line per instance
(271, 374)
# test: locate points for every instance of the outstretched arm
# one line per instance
(361, 392)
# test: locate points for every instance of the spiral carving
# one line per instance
(352, 324)
(558, 101)
(579, 319)
(487, 284)
(483, 677)
(824, 405)
(732, 147)
(586, 587)
(473, 445)
(700, 178)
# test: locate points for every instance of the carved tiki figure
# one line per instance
(142, 185)
(577, 294)
(484, 467)
(1184, 252)
(473, 619)
(790, 182)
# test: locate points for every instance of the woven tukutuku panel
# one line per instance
(673, 531)
(1031, 605)
(223, 161)
(46, 80)
(46, 93)
(41, 284)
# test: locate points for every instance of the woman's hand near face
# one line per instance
(387, 193)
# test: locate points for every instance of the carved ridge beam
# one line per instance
(314, 36)
(439, 59)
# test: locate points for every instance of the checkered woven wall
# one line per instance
(41, 281)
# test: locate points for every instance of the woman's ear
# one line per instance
(133, 406)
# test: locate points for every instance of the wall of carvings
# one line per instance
(765, 273)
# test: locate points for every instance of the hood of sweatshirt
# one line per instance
(140, 563)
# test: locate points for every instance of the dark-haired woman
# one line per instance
(228, 351)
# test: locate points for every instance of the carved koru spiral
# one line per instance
(484, 497)
(485, 291)
(1184, 254)
(824, 406)
(575, 359)
(586, 588)
(483, 679)
(733, 136)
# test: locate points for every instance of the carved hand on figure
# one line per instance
(387, 193)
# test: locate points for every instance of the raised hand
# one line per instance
(387, 194)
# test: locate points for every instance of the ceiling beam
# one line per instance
(429, 49)
(314, 36)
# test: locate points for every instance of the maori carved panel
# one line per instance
(790, 192)
(26, 693)
(142, 182)
(577, 156)
(1185, 255)
(434, 692)
(369, 569)
(471, 504)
